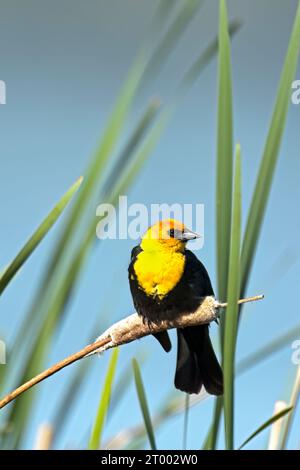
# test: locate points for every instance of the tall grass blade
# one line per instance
(269, 160)
(37, 236)
(123, 383)
(96, 435)
(231, 321)
(143, 403)
(224, 153)
(136, 137)
(207, 55)
(224, 184)
(163, 11)
(270, 155)
(265, 425)
(187, 11)
(141, 156)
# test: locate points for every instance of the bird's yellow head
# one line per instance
(169, 234)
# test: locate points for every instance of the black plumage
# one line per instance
(197, 364)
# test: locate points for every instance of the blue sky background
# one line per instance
(63, 63)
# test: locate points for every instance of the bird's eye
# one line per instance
(172, 232)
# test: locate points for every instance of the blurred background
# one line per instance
(64, 64)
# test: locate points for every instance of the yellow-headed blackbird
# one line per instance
(165, 280)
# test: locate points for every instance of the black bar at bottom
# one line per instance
(135, 459)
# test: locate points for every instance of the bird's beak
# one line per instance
(189, 235)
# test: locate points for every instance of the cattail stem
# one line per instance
(241, 301)
(129, 329)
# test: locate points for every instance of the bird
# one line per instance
(166, 279)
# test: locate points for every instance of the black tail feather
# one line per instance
(188, 375)
(164, 339)
(197, 363)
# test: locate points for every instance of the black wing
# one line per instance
(193, 286)
(196, 276)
